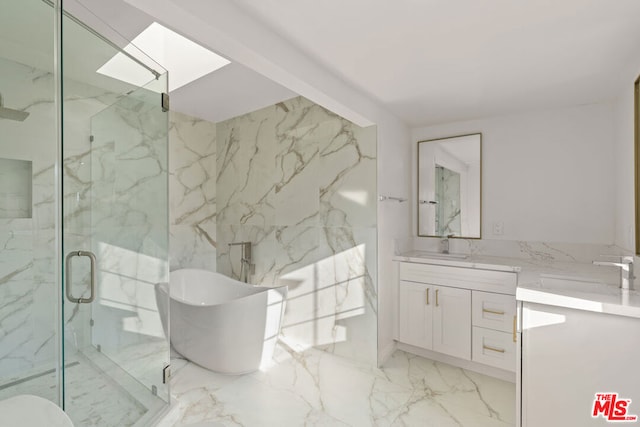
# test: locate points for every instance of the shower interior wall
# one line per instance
(27, 248)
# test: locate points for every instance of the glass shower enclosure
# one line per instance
(83, 219)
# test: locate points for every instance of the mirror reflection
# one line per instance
(449, 187)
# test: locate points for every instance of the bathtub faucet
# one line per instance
(246, 267)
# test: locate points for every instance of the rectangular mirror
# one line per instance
(449, 187)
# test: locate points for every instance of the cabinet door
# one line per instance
(415, 312)
(452, 322)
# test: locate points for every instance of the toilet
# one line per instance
(32, 411)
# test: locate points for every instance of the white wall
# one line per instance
(547, 176)
(624, 168)
(394, 221)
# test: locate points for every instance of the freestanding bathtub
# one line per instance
(219, 323)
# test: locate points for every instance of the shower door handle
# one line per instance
(92, 261)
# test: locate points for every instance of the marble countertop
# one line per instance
(575, 285)
(471, 261)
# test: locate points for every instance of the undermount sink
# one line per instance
(575, 284)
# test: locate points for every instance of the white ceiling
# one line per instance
(231, 91)
(427, 61)
(228, 92)
(435, 61)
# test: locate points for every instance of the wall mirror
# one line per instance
(449, 187)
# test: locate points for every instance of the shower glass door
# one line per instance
(115, 232)
(28, 248)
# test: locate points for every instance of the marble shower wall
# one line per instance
(192, 186)
(129, 213)
(111, 206)
(299, 182)
(28, 289)
(129, 219)
(26, 283)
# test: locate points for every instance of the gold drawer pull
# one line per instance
(427, 296)
(497, 350)
(515, 336)
(437, 297)
(499, 313)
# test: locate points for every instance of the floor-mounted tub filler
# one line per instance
(220, 323)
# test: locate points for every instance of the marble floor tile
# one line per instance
(315, 388)
(93, 399)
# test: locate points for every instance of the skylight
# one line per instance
(185, 60)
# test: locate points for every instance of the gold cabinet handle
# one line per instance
(437, 297)
(499, 313)
(497, 350)
(515, 336)
(427, 292)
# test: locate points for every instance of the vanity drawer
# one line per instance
(493, 311)
(494, 348)
(460, 277)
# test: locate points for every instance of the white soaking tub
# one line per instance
(220, 323)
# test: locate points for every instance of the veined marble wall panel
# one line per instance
(263, 254)
(27, 277)
(299, 182)
(300, 131)
(27, 288)
(348, 186)
(193, 246)
(332, 294)
(129, 221)
(81, 103)
(192, 190)
(246, 163)
(16, 299)
(296, 246)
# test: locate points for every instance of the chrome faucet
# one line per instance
(444, 243)
(626, 270)
(246, 267)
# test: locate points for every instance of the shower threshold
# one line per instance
(87, 371)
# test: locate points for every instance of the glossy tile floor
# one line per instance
(93, 399)
(315, 388)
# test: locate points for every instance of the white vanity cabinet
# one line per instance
(450, 312)
(494, 329)
(464, 314)
(415, 323)
(431, 317)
